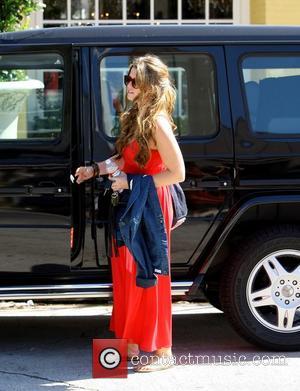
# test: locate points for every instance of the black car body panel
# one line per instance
(242, 168)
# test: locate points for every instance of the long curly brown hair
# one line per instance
(157, 95)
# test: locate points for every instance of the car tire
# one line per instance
(213, 296)
(213, 299)
(260, 288)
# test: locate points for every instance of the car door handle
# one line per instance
(210, 182)
(44, 187)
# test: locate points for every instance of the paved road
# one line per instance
(49, 348)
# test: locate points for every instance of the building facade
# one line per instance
(275, 12)
(65, 13)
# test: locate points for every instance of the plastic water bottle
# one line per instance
(113, 169)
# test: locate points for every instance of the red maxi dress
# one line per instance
(142, 315)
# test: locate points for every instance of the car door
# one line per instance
(264, 85)
(35, 198)
(204, 131)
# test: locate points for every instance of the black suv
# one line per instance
(238, 122)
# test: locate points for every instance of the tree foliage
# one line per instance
(13, 13)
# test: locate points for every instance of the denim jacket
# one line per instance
(140, 226)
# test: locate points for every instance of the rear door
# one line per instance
(265, 95)
(204, 131)
(35, 112)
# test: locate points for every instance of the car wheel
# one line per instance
(260, 290)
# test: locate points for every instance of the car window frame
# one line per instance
(159, 49)
(65, 52)
(269, 53)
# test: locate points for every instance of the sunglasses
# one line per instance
(128, 79)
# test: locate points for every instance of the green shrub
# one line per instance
(13, 13)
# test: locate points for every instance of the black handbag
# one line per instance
(179, 205)
(104, 203)
(107, 213)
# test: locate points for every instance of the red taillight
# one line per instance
(71, 237)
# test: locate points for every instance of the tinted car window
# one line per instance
(31, 96)
(195, 112)
(272, 90)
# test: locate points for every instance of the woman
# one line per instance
(146, 145)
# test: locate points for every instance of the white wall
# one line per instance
(241, 11)
(36, 19)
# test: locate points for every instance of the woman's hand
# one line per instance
(84, 173)
(119, 182)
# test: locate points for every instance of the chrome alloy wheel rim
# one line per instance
(273, 291)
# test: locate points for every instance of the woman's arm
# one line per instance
(170, 153)
(103, 166)
(84, 173)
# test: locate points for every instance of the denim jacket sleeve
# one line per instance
(143, 231)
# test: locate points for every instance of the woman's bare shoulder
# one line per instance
(162, 115)
(163, 124)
